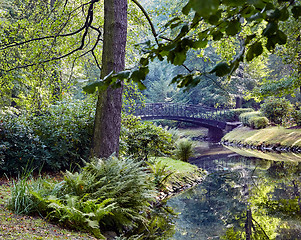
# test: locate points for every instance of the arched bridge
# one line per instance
(210, 118)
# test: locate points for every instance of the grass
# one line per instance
(183, 172)
(13, 226)
(193, 132)
(271, 135)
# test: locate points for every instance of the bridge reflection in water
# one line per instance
(211, 118)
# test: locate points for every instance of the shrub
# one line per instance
(66, 129)
(277, 110)
(258, 122)
(232, 115)
(20, 147)
(144, 139)
(296, 115)
(246, 117)
(54, 138)
(184, 150)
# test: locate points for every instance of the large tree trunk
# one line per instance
(108, 111)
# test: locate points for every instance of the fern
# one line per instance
(115, 194)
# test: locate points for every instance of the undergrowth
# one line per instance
(115, 194)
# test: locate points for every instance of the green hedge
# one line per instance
(259, 122)
(245, 117)
(254, 120)
(232, 115)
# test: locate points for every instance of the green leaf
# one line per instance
(139, 74)
(217, 35)
(248, 11)
(254, 50)
(214, 19)
(200, 44)
(91, 88)
(141, 86)
(284, 14)
(170, 22)
(123, 74)
(270, 29)
(180, 58)
(100, 84)
(221, 69)
(233, 27)
(204, 8)
(184, 31)
(257, 3)
(186, 8)
(249, 38)
(296, 10)
(271, 43)
(234, 3)
(144, 61)
(171, 56)
(273, 15)
(281, 37)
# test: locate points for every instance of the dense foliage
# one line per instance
(277, 110)
(142, 140)
(57, 137)
(232, 115)
(254, 120)
(114, 194)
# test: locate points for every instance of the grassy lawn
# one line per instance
(271, 135)
(19, 227)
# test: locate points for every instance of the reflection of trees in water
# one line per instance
(260, 201)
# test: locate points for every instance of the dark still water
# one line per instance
(241, 198)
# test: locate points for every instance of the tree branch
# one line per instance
(87, 25)
(148, 19)
(6, 46)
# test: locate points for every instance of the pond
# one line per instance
(242, 197)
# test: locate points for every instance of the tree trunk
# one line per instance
(238, 102)
(248, 225)
(107, 122)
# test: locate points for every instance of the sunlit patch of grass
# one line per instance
(271, 135)
(183, 172)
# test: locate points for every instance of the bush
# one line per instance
(277, 110)
(144, 139)
(246, 117)
(184, 150)
(258, 122)
(232, 115)
(296, 115)
(20, 147)
(53, 138)
(66, 129)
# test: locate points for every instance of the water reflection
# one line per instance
(242, 198)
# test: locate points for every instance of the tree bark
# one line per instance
(107, 122)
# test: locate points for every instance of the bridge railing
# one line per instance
(177, 110)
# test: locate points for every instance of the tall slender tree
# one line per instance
(108, 111)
